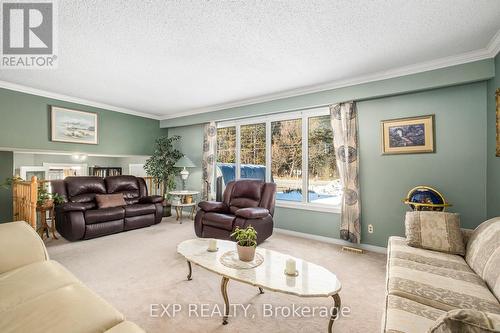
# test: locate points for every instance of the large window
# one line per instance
(294, 150)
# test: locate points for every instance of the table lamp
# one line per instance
(184, 162)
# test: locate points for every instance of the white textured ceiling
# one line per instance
(170, 57)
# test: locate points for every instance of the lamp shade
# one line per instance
(184, 162)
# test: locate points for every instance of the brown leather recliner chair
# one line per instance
(245, 202)
(80, 218)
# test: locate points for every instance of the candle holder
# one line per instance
(294, 275)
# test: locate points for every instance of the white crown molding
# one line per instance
(66, 153)
(494, 45)
(490, 51)
(367, 247)
(72, 99)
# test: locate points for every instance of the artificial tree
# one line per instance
(160, 165)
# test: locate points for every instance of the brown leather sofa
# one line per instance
(245, 202)
(80, 218)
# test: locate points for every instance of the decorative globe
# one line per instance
(426, 198)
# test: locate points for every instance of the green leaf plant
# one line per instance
(160, 165)
(245, 237)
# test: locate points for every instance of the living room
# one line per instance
(157, 155)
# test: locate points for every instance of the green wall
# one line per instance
(457, 169)
(493, 161)
(6, 163)
(191, 145)
(25, 123)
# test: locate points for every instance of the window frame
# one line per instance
(304, 115)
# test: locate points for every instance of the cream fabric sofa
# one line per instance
(40, 295)
(422, 285)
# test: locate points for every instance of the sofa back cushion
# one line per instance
(127, 185)
(245, 193)
(483, 253)
(84, 189)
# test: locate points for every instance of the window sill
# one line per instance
(308, 206)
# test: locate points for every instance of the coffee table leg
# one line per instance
(190, 271)
(261, 291)
(335, 312)
(223, 289)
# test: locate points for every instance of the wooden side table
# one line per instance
(44, 227)
(186, 199)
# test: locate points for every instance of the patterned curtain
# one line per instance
(344, 121)
(208, 160)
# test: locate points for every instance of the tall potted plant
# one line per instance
(160, 165)
(246, 241)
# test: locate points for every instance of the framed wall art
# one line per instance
(408, 135)
(69, 125)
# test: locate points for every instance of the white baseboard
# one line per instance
(367, 247)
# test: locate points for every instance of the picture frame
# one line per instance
(74, 126)
(413, 135)
(497, 97)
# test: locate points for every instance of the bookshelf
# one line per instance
(105, 171)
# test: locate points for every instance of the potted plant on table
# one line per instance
(246, 241)
(46, 199)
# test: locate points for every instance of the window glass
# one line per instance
(226, 153)
(253, 151)
(286, 159)
(324, 185)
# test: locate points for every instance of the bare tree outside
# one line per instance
(286, 160)
(226, 145)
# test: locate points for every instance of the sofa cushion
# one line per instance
(71, 308)
(83, 189)
(139, 209)
(428, 279)
(439, 231)
(23, 284)
(466, 321)
(104, 214)
(126, 327)
(127, 185)
(24, 246)
(222, 221)
(483, 253)
(407, 316)
(109, 200)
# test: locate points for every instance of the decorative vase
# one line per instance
(246, 253)
(188, 199)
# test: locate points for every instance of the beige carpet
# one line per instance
(135, 269)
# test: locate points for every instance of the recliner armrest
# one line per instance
(71, 207)
(252, 212)
(151, 199)
(213, 206)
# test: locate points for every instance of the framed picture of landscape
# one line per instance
(73, 126)
(408, 135)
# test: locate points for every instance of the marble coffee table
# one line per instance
(312, 280)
